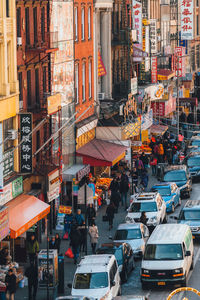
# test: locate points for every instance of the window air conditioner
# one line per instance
(101, 96)
(19, 41)
(12, 134)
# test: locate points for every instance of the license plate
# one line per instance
(161, 283)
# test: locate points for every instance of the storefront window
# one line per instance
(7, 125)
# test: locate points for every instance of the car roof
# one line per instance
(129, 226)
(197, 153)
(194, 204)
(94, 263)
(145, 196)
(112, 245)
(175, 168)
(130, 297)
(163, 184)
(168, 234)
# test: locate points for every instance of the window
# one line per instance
(18, 22)
(44, 80)
(76, 23)
(83, 23)
(43, 23)
(89, 23)
(37, 92)
(7, 8)
(90, 79)
(27, 25)
(7, 125)
(9, 61)
(76, 83)
(197, 21)
(35, 24)
(197, 3)
(20, 86)
(83, 82)
(29, 88)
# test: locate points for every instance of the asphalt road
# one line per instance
(133, 286)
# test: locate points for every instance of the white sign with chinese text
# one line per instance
(153, 36)
(137, 19)
(180, 65)
(187, 20)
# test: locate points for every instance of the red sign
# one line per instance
(4, 224)
(180, 67)
(154, 69)
(163, 108)
(101, 67)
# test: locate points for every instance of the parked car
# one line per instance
(150, 203)
(168, 257)
(195, 141)
(136, 234)
(97, 276)
(180, 175)
(170, 194)
(193, 163)
(74, 298)
(130, 297)
(123, 254)
(190, 215)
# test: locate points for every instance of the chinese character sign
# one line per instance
(180, 67)
(153, 36)
(137, 19)
(26, 146)
(154, 69)
(187, 19)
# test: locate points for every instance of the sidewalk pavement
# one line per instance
(69, 267)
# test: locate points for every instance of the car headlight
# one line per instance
(129, 220)
(177, 271)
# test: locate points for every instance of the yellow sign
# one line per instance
(166, 77)
(85, 138)
(101, 67)
(9, 107)
(132, 129)
(53, 103)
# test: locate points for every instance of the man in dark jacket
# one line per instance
(32, 248)
(10, 281)
(114, 186)
(75, 241)
(32, 274)
(110, 212)
(124, 187)
(91, 214)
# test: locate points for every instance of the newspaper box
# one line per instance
(42, 268)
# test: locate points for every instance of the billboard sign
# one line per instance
(137, 19)
(154, 69)
(180, 61)
(26, 147)
(187, 23)
(153, 36)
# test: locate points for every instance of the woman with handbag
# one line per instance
(94, 235)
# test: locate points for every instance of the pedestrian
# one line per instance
(143, 218)
(11, 285)
(52, 243)
(144, 179)
(145, 160)
(114, 185)
(155, 150)
(94, 235)
(115, 198)
(134, 176)
(176, 158)
(90, 213)
(58, 242)
(75, 241)
(153, 164)
(79, 218)
(124, 187)
(67, 224)
(160, 152)
(32, 274)
(110, 212)
(32, 248)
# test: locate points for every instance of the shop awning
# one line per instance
(101, 153)
(75, 171)
(158, 129)
(165, 74)
(24, 212)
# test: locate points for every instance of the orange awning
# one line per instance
(24, 212)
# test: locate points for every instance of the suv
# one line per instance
(190, 215)
(180, 175)
(150, 203)
(193, 163)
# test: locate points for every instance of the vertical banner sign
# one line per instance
(187, 19)
(137, 19)
(154, 69)
(101, 67)
(180, 67)
(1, 159)
(26, 147)
(153, 36)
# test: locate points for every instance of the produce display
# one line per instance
(103, 184)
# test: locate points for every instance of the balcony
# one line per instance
(42, 42)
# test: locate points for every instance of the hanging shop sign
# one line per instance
(134, 86)
(187, 19)
(164, 108)
(101, 67)
(26, 147)
(147, 120)
(65, 209)
(138, 53)
(4, 222)
(8, 162)
(53, 185)
(53, 103)
(137, 19)
(154, 69)
(132, 129)
(83, 172)
(180, 61)
(147, 49)
(17, 187)
(1, 159)
(153, 36)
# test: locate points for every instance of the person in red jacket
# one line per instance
(153, 164)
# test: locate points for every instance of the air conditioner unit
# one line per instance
(101, 96)
(12, 134)
(19, 41)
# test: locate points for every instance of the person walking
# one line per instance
(57, 242)
(160, 152)
(124, 187)
(114, 186)
(115, 198)
(94, 235)
(144, 179)
(145, 160)
(32, 274)
(80, 221)
(54, 243)
(75, 241)
(67, 224)
(32, 248)
(91, 214)
(110, 212)
(143, 218)
(153, 164)
(11, 285)
(134, 176)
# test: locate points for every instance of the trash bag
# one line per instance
(69, 253)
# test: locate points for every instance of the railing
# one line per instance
(42, 40)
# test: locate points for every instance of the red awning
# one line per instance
(101, 153)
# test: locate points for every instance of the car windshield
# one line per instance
(163, 191)
(193, 161)
(196, 143)
(130, 234)
(163, 252)
(90, 280)
(190, 215)
(175, 176)
(143, 206)
(116, 252)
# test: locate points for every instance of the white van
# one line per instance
(168, 256)
(97, 276)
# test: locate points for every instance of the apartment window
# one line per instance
(35, 24)
(44, 80)
(29, 88)
(43, 23)
(27, 25)
(197, 21)
(19, 22)
(76, 23)
(83, 82)
(90, 79)
(37, 91)
(76, 83)
(7, 8)
(7, 125)
(20, 86)
(83, 23)
(197, 3)
(89, 23)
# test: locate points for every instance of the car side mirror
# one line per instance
(69, 285)
(187, 253)
(113, 283)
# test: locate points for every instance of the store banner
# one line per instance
(65, 209)
(8, 162)
(101, 67)
(153, 36)
(53, 185)
(17, 187)
(26, 164)
(154, 69)
(134, 86)
(137, 19)
(1, 158)
(180, 61)
(147, 120)
(4, 222)
(187, 23)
